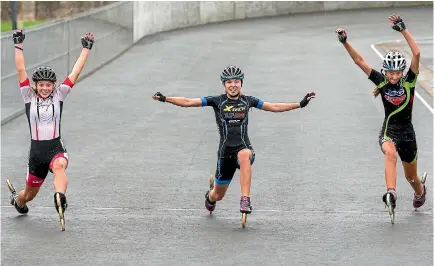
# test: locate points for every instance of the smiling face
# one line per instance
(44, 88)
(232, 87)
(393, 76)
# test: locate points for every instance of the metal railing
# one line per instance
(58, 46)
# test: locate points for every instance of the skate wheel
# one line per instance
(390, 209)
(423, 179)
(11, 188)
(244, 219)
(62, 224)
(211, 182)
(61, 217)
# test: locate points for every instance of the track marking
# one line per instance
(417, 94)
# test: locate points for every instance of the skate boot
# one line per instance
(390, 200)
(61, 205)
(209, 205)
(245, 206)
(418, 201)
(21, 209)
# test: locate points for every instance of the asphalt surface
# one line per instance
(139, 168)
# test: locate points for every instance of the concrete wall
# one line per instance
(153, 17)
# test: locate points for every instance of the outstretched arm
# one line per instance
(19, 37)
(284, 107)
(87, 42)
(397, 24)
(280, 107)
(178, 101)
(357, 58)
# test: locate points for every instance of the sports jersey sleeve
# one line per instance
(255, 102)
(411, 78)
(376, 77)
(63, 90)
(210, 101)
(26, 91)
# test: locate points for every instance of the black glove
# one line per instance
(160, 96)
(19, 36)
(397, 23)
(306, 99)
(342, 35)
(87, 41)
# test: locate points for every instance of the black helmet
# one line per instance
(44, 73)
(231, 72)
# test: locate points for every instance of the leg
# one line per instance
(391, 157)
(19, 200)
(410, 171)
(36, 173)
(245, 160)
(26, 195)
(245, 157)
(225, 172)
(218, 192)
(58, 166)
(226, 168)
(408, 153)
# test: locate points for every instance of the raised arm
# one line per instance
(284, 107)
(178, 101)
(357, 58)
(87, 42)
(19, 37)
(397, 24)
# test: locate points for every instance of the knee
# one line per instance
(391, 154)
(59, 165)
(244, 157)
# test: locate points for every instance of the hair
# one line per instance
(376, 92)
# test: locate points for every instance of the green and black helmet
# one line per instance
(231, 72)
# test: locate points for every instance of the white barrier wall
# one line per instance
(153, 17)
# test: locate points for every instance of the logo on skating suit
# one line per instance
(234, 115)
(395, 97)
(231, 108)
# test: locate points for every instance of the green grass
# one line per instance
(7, 25)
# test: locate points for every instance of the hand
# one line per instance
(342, 35)
(18, 36)
(159, 97)
(87, 40)
(306, 99)
(395, 21)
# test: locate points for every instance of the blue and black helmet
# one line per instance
(231, 72)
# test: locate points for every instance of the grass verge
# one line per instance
(7, 25)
